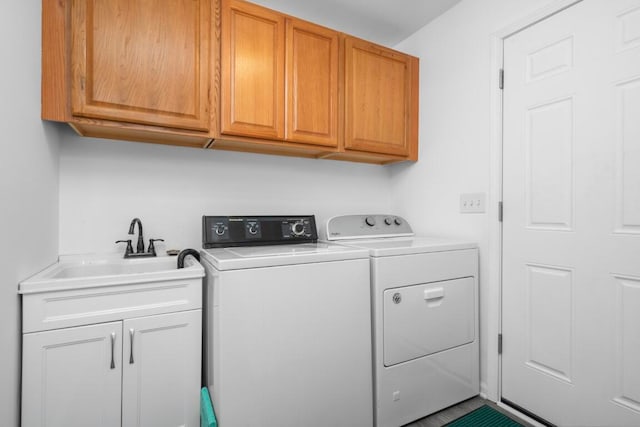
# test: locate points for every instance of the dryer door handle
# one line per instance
(434, 293)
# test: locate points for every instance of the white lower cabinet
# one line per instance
(114, 350)
(161, 370)
(68, 378)
(137, 372)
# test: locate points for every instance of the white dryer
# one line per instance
(287, 325)
(425, 316)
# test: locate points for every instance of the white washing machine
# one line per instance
(287, 325)
(425, 316)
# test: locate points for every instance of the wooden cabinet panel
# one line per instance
(142, 62)
(311, 83)
(378, 94)
(252, 78)
(72, 377)
(225, 74)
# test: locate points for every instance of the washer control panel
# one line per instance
(367, 227)
(222, 231)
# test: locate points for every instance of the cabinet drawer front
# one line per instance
(136, 61)
(62, 309)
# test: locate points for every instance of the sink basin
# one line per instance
(67, 271)
(83, 271)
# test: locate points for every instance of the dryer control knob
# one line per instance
(388, 221)
(297, 228)
(397, 221)
(219, 229)
(370, 221)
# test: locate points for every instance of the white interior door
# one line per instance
(571, 248)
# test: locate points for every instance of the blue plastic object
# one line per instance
(207, 416)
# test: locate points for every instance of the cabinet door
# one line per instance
(161, 370)
(377, 98)
(72, 377)
(312, 83)
(141, 61)
(252, 57)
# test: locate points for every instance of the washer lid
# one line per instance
(408, 245)
(237, 258)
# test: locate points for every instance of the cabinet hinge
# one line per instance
(501, 78)
(499, 343)
(500, 214)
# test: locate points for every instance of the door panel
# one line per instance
(161, 370)
(71, 377)
(627, 388)
(377, 98)
(252, 49)
(135, 61)
(549, 165)
(628, 156)
(571, 241)
(423, 319)
(312, 83)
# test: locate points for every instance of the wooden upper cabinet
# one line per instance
(279, 76)
(311, 83)
(252, 77)
(380, 99)
(140, 61)
(225, 74)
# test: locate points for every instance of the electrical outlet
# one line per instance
(472, 203)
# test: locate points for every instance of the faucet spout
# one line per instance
(140, 245)
(184, 253)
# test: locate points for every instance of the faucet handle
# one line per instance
(152, 248)
(129, 249)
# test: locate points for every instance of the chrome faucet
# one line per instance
(140, 245)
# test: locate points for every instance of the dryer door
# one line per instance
(423, 319)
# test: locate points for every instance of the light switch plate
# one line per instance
(472, 203)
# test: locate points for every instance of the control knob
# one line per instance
(253, 228)
(297, 228)
(370, 221)
(397, 221)
(388, 221)
(219, 229)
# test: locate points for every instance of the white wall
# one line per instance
(28, 185)
(455, 134)
(104, 184)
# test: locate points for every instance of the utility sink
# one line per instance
(86, 271)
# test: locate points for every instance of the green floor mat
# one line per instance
(484, 416)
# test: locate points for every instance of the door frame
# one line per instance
(493, 388)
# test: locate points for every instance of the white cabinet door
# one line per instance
(161, 370)
(71, 377)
